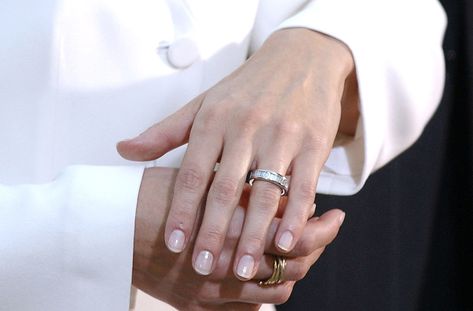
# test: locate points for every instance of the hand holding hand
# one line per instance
(280, 111)
(170, 276)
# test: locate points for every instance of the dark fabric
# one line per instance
(407, 241)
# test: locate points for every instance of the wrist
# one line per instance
(330, 63)
(313, 47)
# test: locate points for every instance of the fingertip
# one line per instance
(341, 218)
(285, 242)
(136, 149)
(125, 147)
(203, 263)
(245, 267)
(335, 215)
(312, 211)
(176, 241)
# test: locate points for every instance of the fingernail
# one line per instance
(176, 241)
(246, 266)
(129, 139)
(203, 262)
(285, 241)
(341, 218)
(314, 207)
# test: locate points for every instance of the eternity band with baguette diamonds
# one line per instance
(269, 176)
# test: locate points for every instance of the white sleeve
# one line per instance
(68, 245)
(397, 48)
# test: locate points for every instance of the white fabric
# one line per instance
(397, 47)
(77, 76)
(64, 240)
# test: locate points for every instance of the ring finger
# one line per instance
(263, 205)
(295, 269)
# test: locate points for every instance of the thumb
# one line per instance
(162, 137)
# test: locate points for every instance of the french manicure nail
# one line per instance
(246, 266)
(341, 218)
(285, 241)
(176, 241)
(314, 207)
(203, 262)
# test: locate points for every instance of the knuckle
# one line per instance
(267, 198)
(320, 143)
(224, 191)
(254, 242)
(306, 191)
(251, 118)
(190, 179)
(213, 236)
(288, 128)
(208, 118)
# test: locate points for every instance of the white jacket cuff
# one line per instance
(397, 49)
(80, 230)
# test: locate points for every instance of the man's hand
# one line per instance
(170, 277)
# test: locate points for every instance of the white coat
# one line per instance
(78, 76)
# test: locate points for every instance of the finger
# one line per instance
(312, 210)
(318, 232)
(264, 201)
(190, 186)
(283, 204)
(222, 200)
(302, 189)
(236, 226)
(249, 292)
(243, 306)
(295, 270)
(162, 137)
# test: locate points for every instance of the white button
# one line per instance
(182, 53)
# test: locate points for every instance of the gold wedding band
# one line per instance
(279, 265)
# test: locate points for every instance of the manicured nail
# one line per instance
(246, 266)
(176, 241)
(285, 241)
(314, 207)
(341, 218)
(203, 262)
(129, 139)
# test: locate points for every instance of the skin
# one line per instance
(170, 277)
(281, 111)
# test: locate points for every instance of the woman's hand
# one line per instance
(170, 277)
(279, 111)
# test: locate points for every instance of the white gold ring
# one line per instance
(271, 177)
